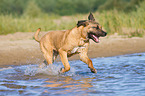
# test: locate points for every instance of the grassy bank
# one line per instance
(131, 24)
(11, 24)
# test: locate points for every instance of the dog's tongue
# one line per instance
(95, 38)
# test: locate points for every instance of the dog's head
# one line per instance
(91, 29)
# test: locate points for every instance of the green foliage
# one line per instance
(46, 14)
(115, 22)
(133, 5)
(69, 7)
(12, 6)
(60, 7)
(65, 7)
(32, 10)
(136, 33)
(113, 4)
(121, 5)
(12, 24)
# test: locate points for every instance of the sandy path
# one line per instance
(20, 48)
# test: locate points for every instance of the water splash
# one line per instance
(53, 69)
(72, 72)
(32, 70)
(2, 69)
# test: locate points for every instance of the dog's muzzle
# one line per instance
(104, 34)
(95, 37)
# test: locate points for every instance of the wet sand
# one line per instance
(21, 48)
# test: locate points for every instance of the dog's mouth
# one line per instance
(94, 37)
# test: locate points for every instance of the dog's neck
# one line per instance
(83, 33)
(79, 31)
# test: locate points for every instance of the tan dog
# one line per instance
(70, 42)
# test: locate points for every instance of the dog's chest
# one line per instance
(76, 49)
(81, 45)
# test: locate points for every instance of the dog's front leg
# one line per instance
(64, 59)
(84, 57)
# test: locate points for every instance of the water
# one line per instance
(117, 76)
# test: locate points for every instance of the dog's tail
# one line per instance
(36, 35)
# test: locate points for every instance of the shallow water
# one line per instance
(117, 76)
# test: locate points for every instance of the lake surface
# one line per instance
(117, 76)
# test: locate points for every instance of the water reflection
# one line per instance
(68, 84)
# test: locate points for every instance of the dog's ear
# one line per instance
(91, 17)
(82, 23)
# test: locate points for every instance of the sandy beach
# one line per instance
(21, 48)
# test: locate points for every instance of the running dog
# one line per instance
(70, 42)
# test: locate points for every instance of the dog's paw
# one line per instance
(93, 70)
(62, 70)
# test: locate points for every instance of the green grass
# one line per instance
(11, 24)
(112, 21)
(115, 22)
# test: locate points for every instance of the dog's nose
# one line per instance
(105, 33)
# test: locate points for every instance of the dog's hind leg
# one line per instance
(48, 55)
(48, 58)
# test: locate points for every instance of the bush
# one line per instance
(32, 10)
(12, 6)
(121, 5)
(113, 4)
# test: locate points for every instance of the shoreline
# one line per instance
(21, 49)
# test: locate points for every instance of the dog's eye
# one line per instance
(96, 27)
(93, 27)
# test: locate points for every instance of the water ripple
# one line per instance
(117, 76)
